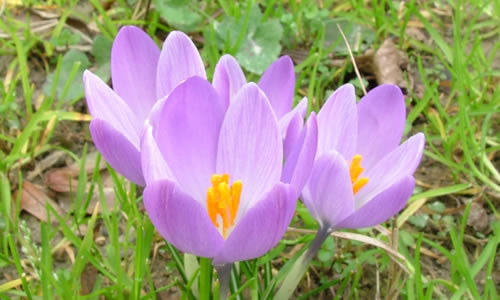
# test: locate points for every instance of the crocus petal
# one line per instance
(105, 104)
(381, 121)
(154, 166)
(293, 135)
(179, 60)
(117, 150)
(337, 123)
(382, 207)
(328, 194)
(278, 83)
(261, 228)
(134, 60)
(154, 115)
(298, 165)
(228, 78)
(187, 134)
(401, 162)
(250, 146)
(181, 220)
(300, 110)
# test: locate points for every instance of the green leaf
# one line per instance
(325, 255)
(419, 220)
(437, 206)
(406, 238)
(306, 217)
(76, 87)
(178, 13)
(101, 49)
(261, 47)
(65, 38)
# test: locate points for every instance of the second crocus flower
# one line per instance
(361, 176)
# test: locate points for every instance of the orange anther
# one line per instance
(355, 170)
(223, 200)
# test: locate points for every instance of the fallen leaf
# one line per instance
(62, 180)
(88, 279)
(65, 179)
(478, 218)
(66, 199)
(34, 199)
(48, 162)
(388, 63)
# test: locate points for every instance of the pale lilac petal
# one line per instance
(291, 124)
(154, 115)
(398, 164)
(228, 78)
(134, 60)
(382, 207)
(328, 194)
(381, 121)
(298, 165)
(250, 145)
(179, 60)
(181, 220)
(338, 122)
(105, 104)
(300, 110)
(278, 83)
(187, 134)
(293, 135)
(117, 150)
(154, 166)
(261, 228)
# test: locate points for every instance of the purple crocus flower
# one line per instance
(142, 75)
(213, 176)
(362, 176)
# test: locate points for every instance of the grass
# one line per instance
(114, 251)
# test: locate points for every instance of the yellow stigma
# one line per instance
(355, 170)
(223, 200)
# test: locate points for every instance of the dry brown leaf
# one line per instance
(62, 180)
(65, 179)
(88, 279)
(388, 62)
(46, 163)
(478, 217)
(34, 199)
(66, 200)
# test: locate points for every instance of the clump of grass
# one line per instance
(458, 111)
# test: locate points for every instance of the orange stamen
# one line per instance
(223, 200)
(355, 170)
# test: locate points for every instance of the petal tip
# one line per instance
(349, 87)
(87, 75)
(286, 60)
(178, 35)
(128, 29)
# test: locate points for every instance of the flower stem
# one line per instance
(205, 278)
(300, 266)
(224, 274)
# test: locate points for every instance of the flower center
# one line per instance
(222, 202)
(355, 170)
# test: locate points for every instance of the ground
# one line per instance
(73, 228)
